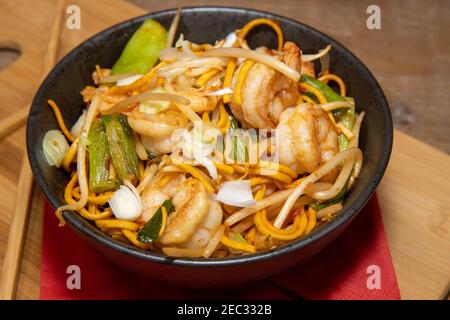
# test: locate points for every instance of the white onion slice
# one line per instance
(128, 80)
(209, 165)
(230, 40)
(76, 128)
(236, 193)
(320, 54)
(115, 77)
(55, 147)
(126, 203)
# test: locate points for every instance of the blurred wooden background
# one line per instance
(409, 55)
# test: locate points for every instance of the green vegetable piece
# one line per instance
(102, 176)
(343, 142)
(346, 116)
(150, 230)
(142, 50)
(122, 146)
(328, 93)
(239, 152)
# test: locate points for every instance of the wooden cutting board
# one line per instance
(413, 194)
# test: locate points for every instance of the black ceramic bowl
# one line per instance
(206, 24)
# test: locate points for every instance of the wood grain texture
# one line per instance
(12, 259)
(14, 250)
(13, 121)
(413, 193)
(415, 207)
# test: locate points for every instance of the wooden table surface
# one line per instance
(409, 56)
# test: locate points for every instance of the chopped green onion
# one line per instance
(149, 232)
(122, 146)
(55, 147)
(102, 176)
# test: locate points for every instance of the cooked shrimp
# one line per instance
(312, 138)
(196, 217)
(156, 125)
(265, 92)
(199, 102)
(207, 228)
(159, 146)
(153, 196)
(191, 208)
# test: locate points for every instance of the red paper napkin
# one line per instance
(344, 270)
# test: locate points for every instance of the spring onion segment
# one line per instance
(151, 229)
(122, 146)
(102, 175)
(55, 147)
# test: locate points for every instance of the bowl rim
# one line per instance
(79, 224)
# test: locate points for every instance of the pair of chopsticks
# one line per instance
(14, 248)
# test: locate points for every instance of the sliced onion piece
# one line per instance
(55, 147)
(126, 203)
(236, 193)
(324, 63)
(148, 95)
(209, 165)
(128, 80)
(256, 56)
(230, 40)
(76, 128)
(320, 54)
(116, 77)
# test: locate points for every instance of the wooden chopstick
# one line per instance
(14, 248)
(13, 122)
(16, 240)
